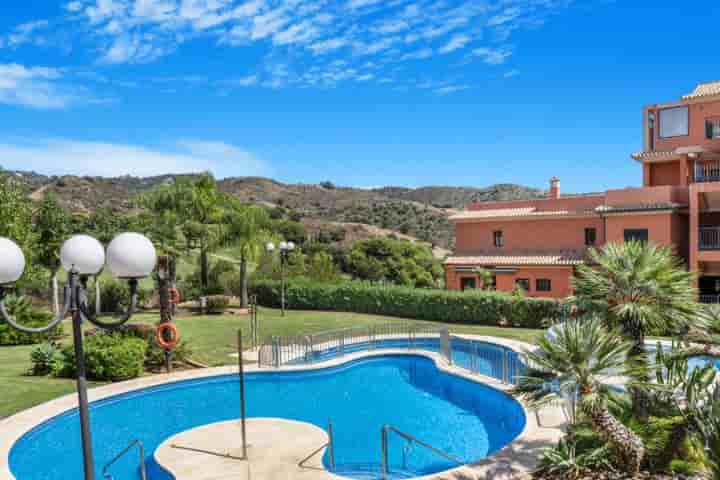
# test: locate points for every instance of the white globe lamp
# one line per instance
(270, 246)
(283, 245)
(131, 255)
(12, 261)
(290, 246)
(83, 254)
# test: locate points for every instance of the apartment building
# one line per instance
(538, 244)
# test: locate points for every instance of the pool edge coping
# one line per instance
(19, 424)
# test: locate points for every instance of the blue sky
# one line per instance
(360, 92)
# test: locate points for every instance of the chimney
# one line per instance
(554, 188)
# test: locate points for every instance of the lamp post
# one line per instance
(130, 256)
(285, 249)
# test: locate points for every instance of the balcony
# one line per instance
(711, 299)
(709, 238)
(707, 171)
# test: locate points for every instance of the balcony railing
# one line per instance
(712, 299)
(707, 171)
(709, 238)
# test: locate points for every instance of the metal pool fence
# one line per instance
(476, 356)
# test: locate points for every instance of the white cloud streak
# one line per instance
(64, 156)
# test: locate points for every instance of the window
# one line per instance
(523, 283)
(467, 283)
(636, 234)
(543, 285)
(590, 236)
(498, 240)
(712, 128)
(674, 122)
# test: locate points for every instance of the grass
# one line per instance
(212, 338)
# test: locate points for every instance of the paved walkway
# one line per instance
(276, 449)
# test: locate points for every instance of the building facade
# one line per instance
(538, 244)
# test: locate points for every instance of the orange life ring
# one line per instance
(174, 336)
(174, 296)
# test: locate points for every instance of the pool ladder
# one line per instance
(330, 444)
(141, 452)
(384, 433)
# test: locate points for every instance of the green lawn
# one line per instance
(213, 339)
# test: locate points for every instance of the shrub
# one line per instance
(476, 307)
(108, 357)
(115, 296)
(217, 303)
(24, 313)
(155, 355)
(44, 359)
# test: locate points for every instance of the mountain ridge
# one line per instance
(418, 212)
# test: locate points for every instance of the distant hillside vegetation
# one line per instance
(420, 213)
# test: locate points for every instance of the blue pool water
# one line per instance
(464, 418)
(482, 357)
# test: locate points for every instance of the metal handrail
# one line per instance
(143, 472)
(330, 444)
(412, 439)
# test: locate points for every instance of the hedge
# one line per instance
(473, 307)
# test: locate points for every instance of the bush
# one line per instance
(24, 313)
(108, 357)
(115, 296)
(217, 303)
(476, 307)
(44, 359)
(155, 355)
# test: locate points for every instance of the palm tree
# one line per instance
(640, 288)
(572, 362)
(248, 228)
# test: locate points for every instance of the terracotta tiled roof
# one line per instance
(507, 212)
(570, 257)
(655, 156)
(707, 89)
(638, 207)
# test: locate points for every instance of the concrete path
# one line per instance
(275, 452)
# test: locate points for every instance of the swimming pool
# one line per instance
(493, 360)
(467, 419)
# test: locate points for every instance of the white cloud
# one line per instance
(506, 16)
(418, 54)
(455, 43)
(247, 81)
(448, 89)
(34, 87)
(328, 45)
(511, 73)
(354, 4)
(492, 56)
(73, 6)
(298, 33)
(309, 34)
(26, 33)
(63, 156)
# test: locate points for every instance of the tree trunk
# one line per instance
(628, 446)
(98, 304)
(55, 292)
(640, 398)
(204, 270)
(243, 282)
(164, 289)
